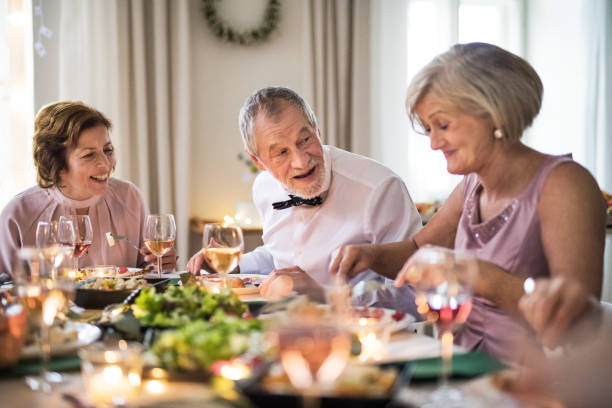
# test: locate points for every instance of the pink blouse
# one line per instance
(512, 240)
(120, 210)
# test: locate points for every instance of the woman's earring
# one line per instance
(498, 134)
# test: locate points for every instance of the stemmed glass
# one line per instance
(43, 298)
(84, 235)
(159, 236)
(313, 354)
(222, 247)
(443, 281)
(58, 240)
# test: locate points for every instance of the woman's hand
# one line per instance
(168, 260)
(554, 307)
(350, 260)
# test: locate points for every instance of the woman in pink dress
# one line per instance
(521, 212)
(74, 159)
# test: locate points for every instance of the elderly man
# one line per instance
(313, 198)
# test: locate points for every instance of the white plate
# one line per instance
(251, 290)
(87, 333)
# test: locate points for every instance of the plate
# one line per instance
(207, 280)
(87, 333)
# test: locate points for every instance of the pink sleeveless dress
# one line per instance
(512, 240)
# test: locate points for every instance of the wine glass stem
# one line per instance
(45, 346)
(159, 266)
(447, 357)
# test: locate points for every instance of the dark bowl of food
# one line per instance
(97, 293)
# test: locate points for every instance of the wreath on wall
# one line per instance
(225, 32)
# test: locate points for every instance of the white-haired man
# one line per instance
(312, 199)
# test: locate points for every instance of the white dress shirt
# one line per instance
(366, 204)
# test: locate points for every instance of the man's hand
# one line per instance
(555, 306)
(168, 260)
(282, 281)
(350, 260)
(198, 262)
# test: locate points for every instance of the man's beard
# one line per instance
(318, 186)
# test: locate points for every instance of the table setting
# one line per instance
(113, 336)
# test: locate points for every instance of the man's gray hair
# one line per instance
(268, 100)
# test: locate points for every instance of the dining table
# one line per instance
(472, 372)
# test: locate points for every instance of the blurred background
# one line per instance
(173, 88)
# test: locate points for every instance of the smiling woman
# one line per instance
(74, 159)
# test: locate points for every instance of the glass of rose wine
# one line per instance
(222, 247)
(42, 297)
(313, 354)
(159, 236)
(57, 238)
(443, 281)
(84, 235)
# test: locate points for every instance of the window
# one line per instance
(429, 28)
(16, 100)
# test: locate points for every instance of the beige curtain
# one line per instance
(130, 59)
(338, 42)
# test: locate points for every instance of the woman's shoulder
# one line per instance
(26, 208)
(28, 200)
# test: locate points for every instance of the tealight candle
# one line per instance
(233, 370)
(112, 375)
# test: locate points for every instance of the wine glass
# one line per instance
(42, 298)
(159, 236)
(312, 353)
(57, 238)
(84, 235)
(443, 279)
(222, 246)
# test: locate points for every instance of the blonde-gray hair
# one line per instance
(268, 100)
(481, 80)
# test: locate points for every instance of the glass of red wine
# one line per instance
(443, 281)
(84, 235)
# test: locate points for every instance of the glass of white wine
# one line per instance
(222, 247)
(159, 236)
(57, 238)
(43, 299)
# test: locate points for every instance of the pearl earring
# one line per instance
(498, 134)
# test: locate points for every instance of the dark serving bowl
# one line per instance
(261, 398)
(99, 299)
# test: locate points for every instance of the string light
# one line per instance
(43, 30)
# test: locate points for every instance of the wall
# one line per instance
(223, 76)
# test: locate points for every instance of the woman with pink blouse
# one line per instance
(74, 159)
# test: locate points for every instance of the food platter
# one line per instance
(98, 299)
(348, 393)
(86, 334)
(242, 284)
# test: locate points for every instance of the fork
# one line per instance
(111, 238)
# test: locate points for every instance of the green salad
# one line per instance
(199, 344)
(180, 305)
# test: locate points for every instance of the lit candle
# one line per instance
(232, 370)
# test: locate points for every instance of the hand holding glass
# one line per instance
(222, 247)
